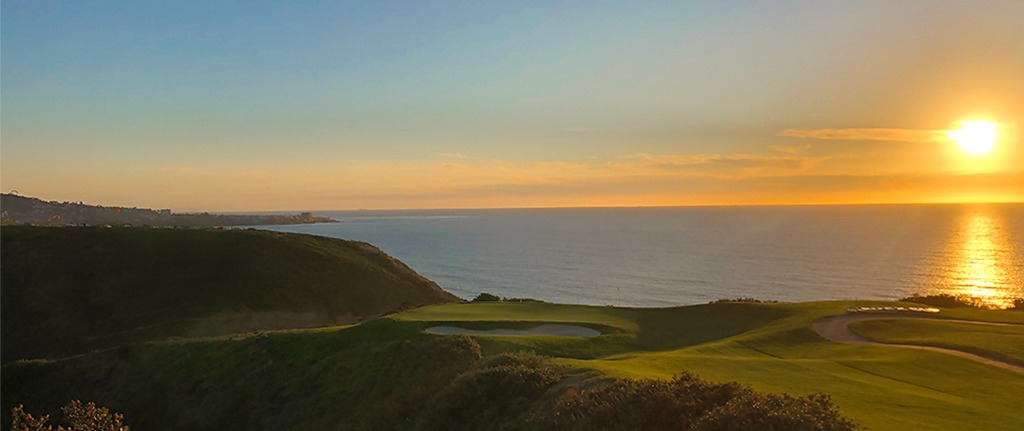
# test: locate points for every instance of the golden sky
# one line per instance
(322, 106)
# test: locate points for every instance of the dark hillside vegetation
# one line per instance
(69, 290)
(386, 374)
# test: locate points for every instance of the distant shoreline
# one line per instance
(33, 211)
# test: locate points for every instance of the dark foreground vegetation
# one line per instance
(387, 375)
(71, 290)
(78, 416)
(27, 210)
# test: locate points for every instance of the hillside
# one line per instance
(68, 290)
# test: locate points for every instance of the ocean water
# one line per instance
(690, 255)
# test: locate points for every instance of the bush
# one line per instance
(498, 393)
(81, 417)
(745, 299)
(1018, 304)
(943, 300)
(486, 297)
(690, 403)
(770, 412)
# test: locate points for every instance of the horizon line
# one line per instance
(547, 207)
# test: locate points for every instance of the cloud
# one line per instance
(631, 179)
(452, 155)
(727, 165)
(894, 135)
(790, 150)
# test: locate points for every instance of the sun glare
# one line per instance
(975, 137)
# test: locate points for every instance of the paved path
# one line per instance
(837, 329)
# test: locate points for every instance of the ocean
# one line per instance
(688, 255)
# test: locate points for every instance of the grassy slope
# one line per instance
(773, 348)
(362, 377)
(95, 288)
(365, 375)
(1005, 343)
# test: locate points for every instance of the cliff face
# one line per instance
(68, 290)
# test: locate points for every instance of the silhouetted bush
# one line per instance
(526, 392)
(953, 301)
(691, 403)
(1018, 304)
(769, 412)
(944, 300)
(641, 404)
(524, 300)
(486, 297)
(744, 299)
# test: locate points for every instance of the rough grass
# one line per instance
(95, 288)
(362, 377)
(1004, 343)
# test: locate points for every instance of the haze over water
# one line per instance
(689, 255)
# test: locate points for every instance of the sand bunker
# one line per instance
(561, 330)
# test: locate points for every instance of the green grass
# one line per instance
(1005, 343)
(480, 312)
(366, 369)
(773, 348)
(95, 288)
(363, 376)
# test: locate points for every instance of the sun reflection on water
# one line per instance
(980, 253)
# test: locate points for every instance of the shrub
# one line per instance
(21, 421)
(486, 297)
(944, 300)
(746, 299)
(690, 403)
(1018, 305)
(499, 392)
(81, 417)
(770, 412)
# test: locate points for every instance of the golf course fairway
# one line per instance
(774, 347)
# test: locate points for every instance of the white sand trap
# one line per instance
(561, 330)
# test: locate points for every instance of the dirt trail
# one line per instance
(837, 329)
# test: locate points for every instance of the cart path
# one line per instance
(837, 329)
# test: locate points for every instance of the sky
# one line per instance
(321, 105)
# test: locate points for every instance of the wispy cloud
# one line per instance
(895, 135)
(729, 165)
(452, 155)
(790, 149)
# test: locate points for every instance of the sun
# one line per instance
(975, 137)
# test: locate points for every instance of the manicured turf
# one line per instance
(1005, 343)
(773, 348)
(378, 367)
